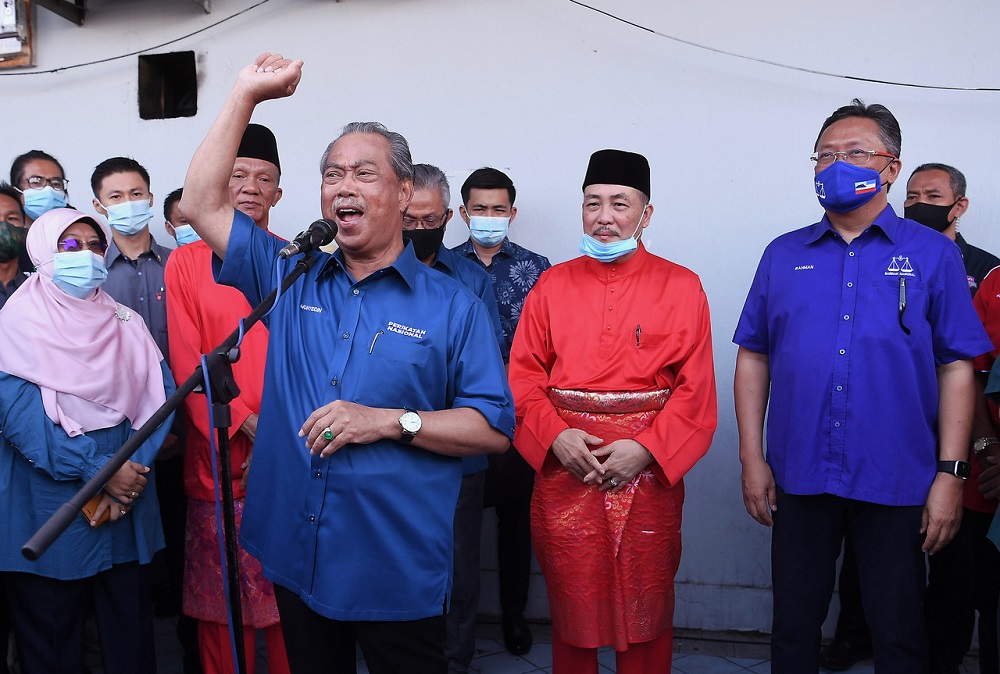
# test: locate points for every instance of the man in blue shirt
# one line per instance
(424, 226)
(858, 331)
(381, 372)
(488, 209)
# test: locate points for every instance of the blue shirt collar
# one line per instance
(887, 221)
(155, 250)
(469, 250)
(405, 265)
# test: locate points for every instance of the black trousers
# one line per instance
(964, 580)
(49, 617)
(509, 483)
(807, 536)
(4, 627)
(320, 645)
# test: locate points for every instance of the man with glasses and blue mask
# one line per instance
(962, 579)
(859, 333)
(424, 226)
(488, 209)
(614, 388)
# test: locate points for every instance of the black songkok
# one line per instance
(258, 143)
(617, 167)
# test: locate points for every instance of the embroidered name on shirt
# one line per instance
(309, 307)
(802, 267)
(406, 330)
(899, 266)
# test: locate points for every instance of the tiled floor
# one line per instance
(695, 653)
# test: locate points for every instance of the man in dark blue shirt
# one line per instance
(858, 332)
(381, 372)
(488, 209)
(424, 226)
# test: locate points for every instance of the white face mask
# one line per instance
(79, 273)
(488, 231)
(185, 234)
(129, 217)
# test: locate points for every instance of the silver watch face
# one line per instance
(410, 421)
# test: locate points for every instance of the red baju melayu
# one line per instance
(620, 350)
(200, 315)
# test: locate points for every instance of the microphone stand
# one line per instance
(223, 391)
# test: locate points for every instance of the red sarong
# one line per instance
(609, 559)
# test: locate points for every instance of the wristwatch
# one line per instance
(959, 469)
(982, 443)
(410, 423)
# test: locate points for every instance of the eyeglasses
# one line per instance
(428, 221)
(856, 156)
(38, 182)
(73, 245)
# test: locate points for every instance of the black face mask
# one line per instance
(929, 215)
(426, 242)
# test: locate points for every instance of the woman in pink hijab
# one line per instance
(78, 372)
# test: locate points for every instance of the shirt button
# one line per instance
(850, 284)
(836, 424)
(842, 352)
(851, 253)
(610, 308)
(346, 335)
(319, 473)
(846, 317)
(312, 518)
(356, 291)
(840, 388)
(333, 382)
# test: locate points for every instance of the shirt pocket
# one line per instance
(394, 368)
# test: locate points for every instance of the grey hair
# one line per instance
(426, 176)
(955, 176)
(399, 149)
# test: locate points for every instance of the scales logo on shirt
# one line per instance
(899, 266)
(406, 330)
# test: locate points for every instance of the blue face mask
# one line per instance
(80, 273)
(842, 187)
(609, 252)
(43, 200)
(488, 231)
(185, 234)
(130, 217)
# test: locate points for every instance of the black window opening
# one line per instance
(168, 85)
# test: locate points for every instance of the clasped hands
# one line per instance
(121, 491)
(625, 458)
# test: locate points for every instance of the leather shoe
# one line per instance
(841, 655)
(516, 635)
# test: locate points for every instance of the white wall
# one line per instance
(533, 87)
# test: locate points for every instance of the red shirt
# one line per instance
(987, 303)
(200, 315)
(640, 325)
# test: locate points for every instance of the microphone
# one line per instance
(317, 234)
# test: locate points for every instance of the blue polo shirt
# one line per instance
(365, 534)
(854, 399)
(473, 277)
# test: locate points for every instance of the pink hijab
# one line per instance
(93, 359)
